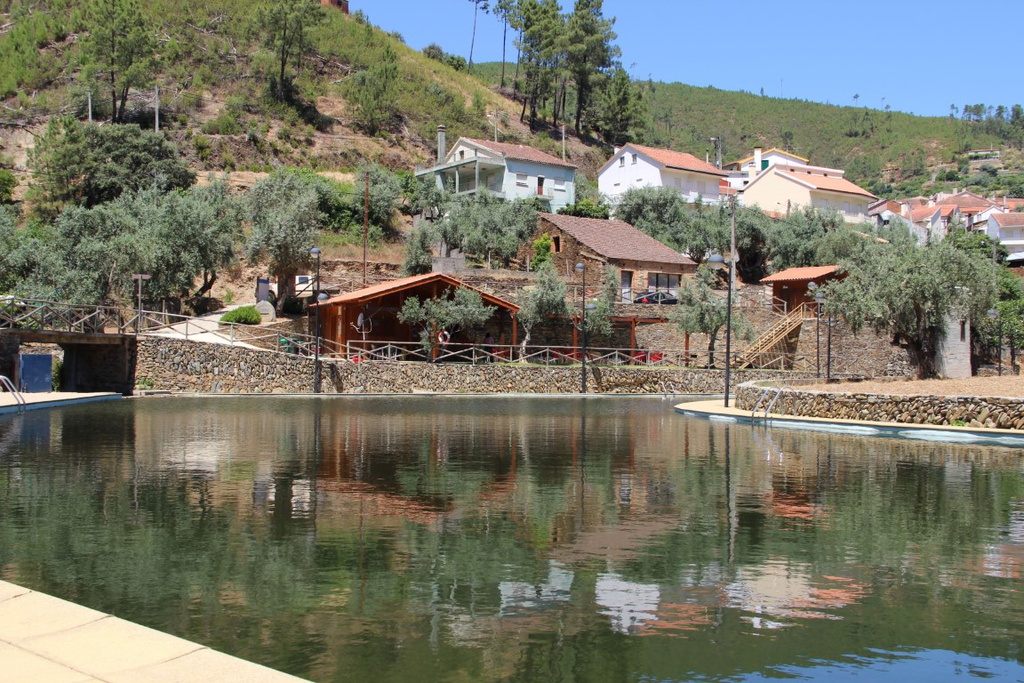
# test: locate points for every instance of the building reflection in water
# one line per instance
(463, 518)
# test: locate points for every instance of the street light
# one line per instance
(993, 314)
(139, 277)
(718, 262)
(581, 268)
(819, 299)
(828, 353)
(315, 253)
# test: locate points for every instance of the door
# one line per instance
(626, 284)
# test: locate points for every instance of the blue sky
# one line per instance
(912, 55)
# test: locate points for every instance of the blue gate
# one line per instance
(36, 373)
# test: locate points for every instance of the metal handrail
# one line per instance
(7, 384)
(759, 402)
(776, 398)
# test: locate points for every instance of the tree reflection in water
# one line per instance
(509, 539)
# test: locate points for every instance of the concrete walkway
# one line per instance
(47, 640)
(713, 409)
(207, 329)
(52, 399)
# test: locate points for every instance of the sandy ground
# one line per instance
(1007, 385)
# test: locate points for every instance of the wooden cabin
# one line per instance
(791, 287)
(368, 317)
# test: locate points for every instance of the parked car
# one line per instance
(656, 298)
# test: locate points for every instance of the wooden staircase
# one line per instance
(766, 347)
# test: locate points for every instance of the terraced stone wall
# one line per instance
(968, 411)
(186, 366)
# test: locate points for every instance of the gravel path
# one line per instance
(1007, 386)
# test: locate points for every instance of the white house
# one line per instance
(1008, 228)
(779, 187)
(506, 170)
(636, 166)
(761, 160)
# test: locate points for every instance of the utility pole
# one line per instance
(366, 222)
(157, 95)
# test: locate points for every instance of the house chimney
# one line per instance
(441, 144)
(756, 168)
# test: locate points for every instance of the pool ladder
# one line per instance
(771, 404)
(8, 385)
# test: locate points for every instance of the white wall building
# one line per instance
(1008, 228)
(636, 166)
(506, 170)
(778, 186)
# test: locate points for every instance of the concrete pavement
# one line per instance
(47, 640)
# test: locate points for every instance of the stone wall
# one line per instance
(993, 412)
(185, 366)
(177, 365)
(9, 346)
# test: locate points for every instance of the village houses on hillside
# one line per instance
(930, 219)
(776, 181)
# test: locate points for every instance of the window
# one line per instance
(662, 281)
(462, 154)
(963, 330)
(521, 179)
(560, 184)
(556, 244)
(622, 161)
(633, 159)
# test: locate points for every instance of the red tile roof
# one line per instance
(924, 213)
(680, 160)
(801, 274)
(391, 286)
(616, 240)
(967, 200)
(1009, 220)
(520, 152)
(821, 182)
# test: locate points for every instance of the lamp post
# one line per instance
(718, 262)
(993, 314)
(581, 268)
(315, 253)
(819, 300)
(828, 354)
(139, 277)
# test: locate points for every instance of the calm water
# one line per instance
(468, 539)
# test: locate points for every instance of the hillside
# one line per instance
(214, 80)
(216, 67)
(892, 153)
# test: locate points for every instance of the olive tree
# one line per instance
(702, 311)
(912, 293)
(457, 308)
(546, 298)
(284, 218)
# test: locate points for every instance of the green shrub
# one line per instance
(55, 374)
(292, 306)
(225, 124)
(244, 315)
(8, 182)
